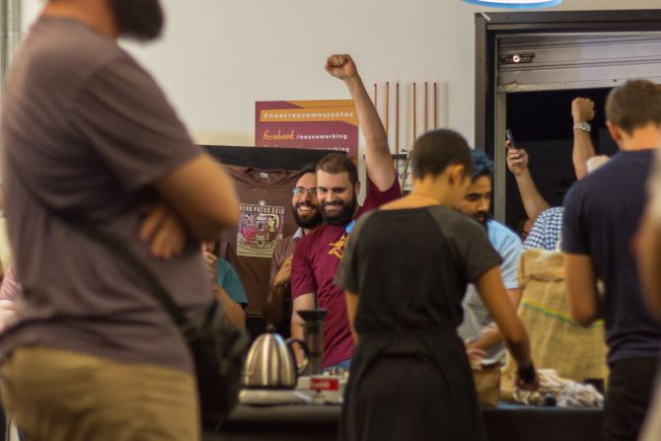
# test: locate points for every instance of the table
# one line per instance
(319, 423)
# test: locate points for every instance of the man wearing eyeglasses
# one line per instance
(307, 216)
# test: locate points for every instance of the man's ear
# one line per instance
(356, 188)
(615, 132)
(456, 174)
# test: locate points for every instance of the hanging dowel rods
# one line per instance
(435, 106)
(397, 118)
(387, 107)
(426, 106)
(415, 114)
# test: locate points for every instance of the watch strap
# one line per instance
(583, 126)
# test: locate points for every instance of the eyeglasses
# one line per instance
(299, 191)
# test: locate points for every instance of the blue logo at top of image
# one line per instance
(514, 4)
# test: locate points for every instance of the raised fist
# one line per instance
(341, 66)
(582, 110)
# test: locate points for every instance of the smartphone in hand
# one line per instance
(510, 138)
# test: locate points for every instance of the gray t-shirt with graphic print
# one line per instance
(86, 130)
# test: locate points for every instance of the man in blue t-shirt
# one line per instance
(602, 213)
(478, 329)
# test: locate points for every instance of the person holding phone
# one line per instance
(547, 221)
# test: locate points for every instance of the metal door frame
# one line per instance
(488, 26)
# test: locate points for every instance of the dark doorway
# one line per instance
(541, 122)
(551, 162)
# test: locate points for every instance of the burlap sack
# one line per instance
(557, 342)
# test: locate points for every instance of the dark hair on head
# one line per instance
(482, 165)
(335, 163)
(635, 104)
(434, 151)
(519, 224)
(307, 169)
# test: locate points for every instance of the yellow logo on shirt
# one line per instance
(337, 248)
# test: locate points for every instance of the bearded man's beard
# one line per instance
(310, 222)
(483, 218)
(344, 216)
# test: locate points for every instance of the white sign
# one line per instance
(517, 4)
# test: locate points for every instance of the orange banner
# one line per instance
(320, 114)
(329, 125)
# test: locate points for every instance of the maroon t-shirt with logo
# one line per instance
(317, 257)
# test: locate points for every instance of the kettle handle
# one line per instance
(306, 353)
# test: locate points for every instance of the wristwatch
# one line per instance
(583, 126)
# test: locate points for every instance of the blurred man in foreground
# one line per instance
(92, 354)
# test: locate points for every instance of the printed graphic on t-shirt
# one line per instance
(337, 249)
(260, 229)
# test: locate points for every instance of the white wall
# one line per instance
(220, 56)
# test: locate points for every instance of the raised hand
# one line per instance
(582, 110)
(517, 160)
(341, 67)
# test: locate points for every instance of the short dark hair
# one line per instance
(482, 165)
(635, 104)
(519, 224)
(434, 151)
(307, 169)
(335, 163)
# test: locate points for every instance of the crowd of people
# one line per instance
(417, 286)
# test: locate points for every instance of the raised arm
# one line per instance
(533, 202)
(582, 111)
(377, 153)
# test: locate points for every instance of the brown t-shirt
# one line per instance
(282, 252)
(86, 129)
(266, 218)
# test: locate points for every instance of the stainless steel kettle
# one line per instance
(270, 363)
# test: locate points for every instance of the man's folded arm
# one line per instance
(203, 194)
